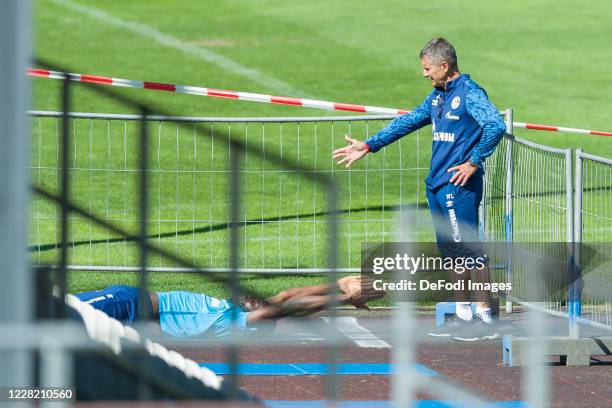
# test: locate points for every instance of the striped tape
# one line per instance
(280, 100)
(560, 129)
(219, 93)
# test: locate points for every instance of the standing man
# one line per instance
(466, 129)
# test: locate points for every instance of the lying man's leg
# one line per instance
(119, 302)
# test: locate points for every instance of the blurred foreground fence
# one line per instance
(95, 200)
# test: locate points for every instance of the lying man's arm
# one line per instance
(292, 293)
(304, 304)
(349, 285)
(297, 306)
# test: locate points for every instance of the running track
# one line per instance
(294, 376)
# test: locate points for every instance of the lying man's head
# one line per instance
(249, 303)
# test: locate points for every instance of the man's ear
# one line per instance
(444, 66)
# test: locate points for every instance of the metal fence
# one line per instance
(283, 219)
(593, 229)
(534, 200)
(530, 201)
(529, 197)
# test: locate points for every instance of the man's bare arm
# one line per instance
(349, 285)
(292, 293)
(297, 306)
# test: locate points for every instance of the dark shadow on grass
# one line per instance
(225, 226)
(219, 227)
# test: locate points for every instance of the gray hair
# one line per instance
(439, 50)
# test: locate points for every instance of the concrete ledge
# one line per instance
(572, 352)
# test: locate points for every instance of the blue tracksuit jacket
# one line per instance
(465, 125)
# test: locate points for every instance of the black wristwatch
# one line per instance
(471, 163)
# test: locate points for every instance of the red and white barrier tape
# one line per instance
(219, 93)
(559, 129)
(255, 97)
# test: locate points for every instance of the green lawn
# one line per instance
(541, 58)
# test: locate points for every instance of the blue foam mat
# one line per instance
(312, 369)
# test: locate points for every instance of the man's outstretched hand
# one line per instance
(359, 291)
(351, 153)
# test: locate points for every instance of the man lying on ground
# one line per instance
(186, 314)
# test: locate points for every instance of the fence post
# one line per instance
(16, 290)
(569, 195)
(575, 298)
(143, 204)
(508, 202)
(578, 198)
(333, 381)
(64, 180)
(144, 389)
(235, 160)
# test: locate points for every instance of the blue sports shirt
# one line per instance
(465, 126)
(185, 314)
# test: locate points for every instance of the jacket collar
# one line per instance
(456, 82)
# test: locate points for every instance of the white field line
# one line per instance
(271, 84)
(349, 326)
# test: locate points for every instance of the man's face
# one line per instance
(437, 73)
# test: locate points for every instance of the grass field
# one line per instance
(541, 58)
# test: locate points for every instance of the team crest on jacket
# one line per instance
(455, 103)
